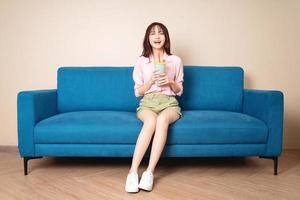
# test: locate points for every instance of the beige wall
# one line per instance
(37, 36)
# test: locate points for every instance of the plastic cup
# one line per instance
(160, 66)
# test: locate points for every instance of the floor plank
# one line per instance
(175, 178)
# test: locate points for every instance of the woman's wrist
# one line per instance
(172, 83)
(150, 82)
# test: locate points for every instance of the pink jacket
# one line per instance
(143, 70)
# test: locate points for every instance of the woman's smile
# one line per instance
(157, 37)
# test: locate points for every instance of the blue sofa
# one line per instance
(93, 113)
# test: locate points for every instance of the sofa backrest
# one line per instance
(212, 88)
(111, 88)
(95, 88)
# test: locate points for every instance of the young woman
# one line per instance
(158, 108)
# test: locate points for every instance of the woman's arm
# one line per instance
(141, 90)
(175, 87)
(154, 77)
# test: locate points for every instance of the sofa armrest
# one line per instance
(32, 107)
(267, 105)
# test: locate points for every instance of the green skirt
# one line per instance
(157, 102)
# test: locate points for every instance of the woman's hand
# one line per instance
(164, 79)
(155, 76)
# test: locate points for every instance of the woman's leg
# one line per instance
(164, 119)
(149, 119)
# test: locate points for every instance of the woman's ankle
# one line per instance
(133, 170)
(151, 170)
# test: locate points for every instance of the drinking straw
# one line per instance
(158, 58)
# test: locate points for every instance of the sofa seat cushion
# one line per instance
(217, 127)
(89, 127)
(113, 127)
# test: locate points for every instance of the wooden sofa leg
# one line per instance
(26, 159)
(275, 159)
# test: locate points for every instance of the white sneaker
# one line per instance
(146, 181)
(132, 182)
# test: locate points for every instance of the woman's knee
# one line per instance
(166, 117)
(148, 117)
(150, 122)
(162, 120)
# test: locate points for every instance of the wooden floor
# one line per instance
(180, 178)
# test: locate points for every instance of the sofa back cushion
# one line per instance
(212, 88)
(95, 88)
(111, 88)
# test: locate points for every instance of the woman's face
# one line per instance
(157, 37)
